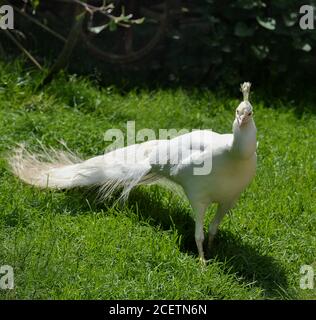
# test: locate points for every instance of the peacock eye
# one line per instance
(250, 113)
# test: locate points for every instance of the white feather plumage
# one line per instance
(233, 159)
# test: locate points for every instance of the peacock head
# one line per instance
(244, 111)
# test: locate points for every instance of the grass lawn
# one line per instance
(66, 245)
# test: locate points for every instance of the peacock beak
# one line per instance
(241, 120)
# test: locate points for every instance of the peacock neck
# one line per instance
(244, 141)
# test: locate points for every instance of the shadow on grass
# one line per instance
(167, 213)
(247, 262)
(238, 258)
(241, 259)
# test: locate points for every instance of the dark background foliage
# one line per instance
(214, 43)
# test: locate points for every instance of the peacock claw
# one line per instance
(202, 261)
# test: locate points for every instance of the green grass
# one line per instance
(65, 245)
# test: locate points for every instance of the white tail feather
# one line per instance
(63, 170)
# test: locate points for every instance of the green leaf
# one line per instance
(290, 19)
(306, 47)
(249, 4)
(98, 29)
(139, 21)
(112, 25)
(267, 23)
(261, 51)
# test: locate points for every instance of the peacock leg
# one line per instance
(199, 211)
(222, 209)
